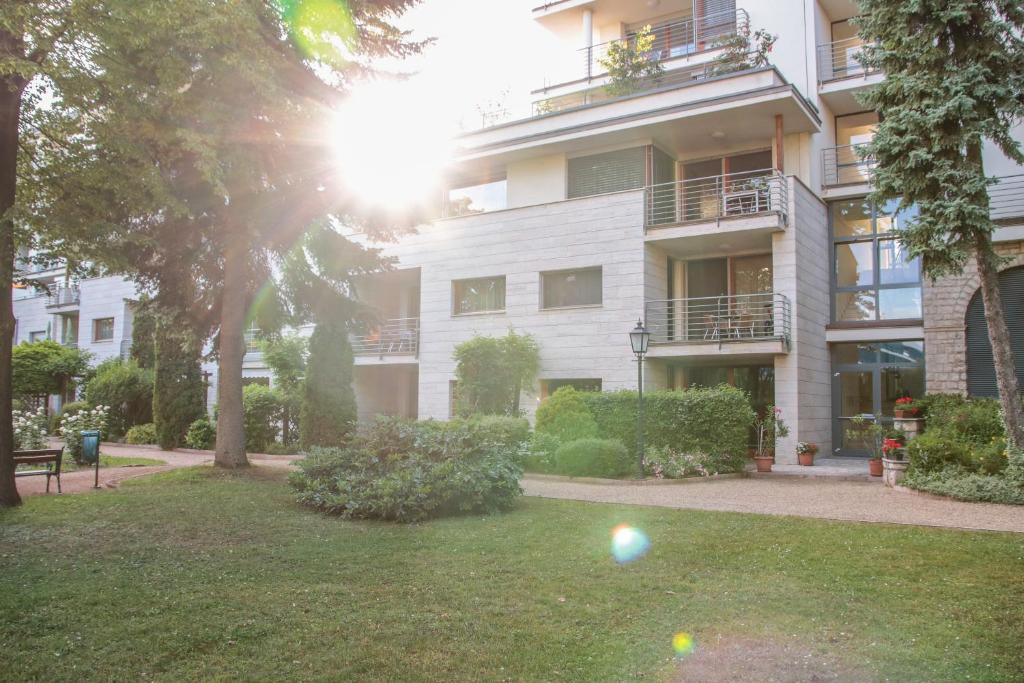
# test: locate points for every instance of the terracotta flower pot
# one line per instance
(806, 459)
(764, 463)
(875, 467)
(901, 414)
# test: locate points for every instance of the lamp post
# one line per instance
(639, 337)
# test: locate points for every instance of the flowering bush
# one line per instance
(665, 463)
(806, 448)
(29, 429)
(72, 426)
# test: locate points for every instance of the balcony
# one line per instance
(722, 325)
(842, 73)
(394, 337)
(674, 41)
(845, 165)
(1006, 199)
(63, 297)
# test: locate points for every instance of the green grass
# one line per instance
(198, 574)
(69, 465)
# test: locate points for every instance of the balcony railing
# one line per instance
(398, 336)
(678, 39)
(64, 296)
(841, 59)
(719, 319)
(846, 165)
(716, 197)
(1006, 198)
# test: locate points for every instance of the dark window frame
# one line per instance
(543, 288)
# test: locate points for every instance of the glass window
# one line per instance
(895, 265)
(478, 198)
(550, 386)
(899, 304)
(38, 335)
(752, 274)
(851, 218)
(855, 306)
(479, 295)
(855, 354)
(571, 288)
(103, 329)
(855, 264)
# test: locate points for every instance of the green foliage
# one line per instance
(45, 367)
(632, 64)
(328, 415)
(768, 427)
(201, 435)
(606, 458)
(666, 463)
(991, 458)
(72, 424)
(141, 434)
(742, 50)
(407, 471)
(492, 371)
(935, 450)
(712, 420)
(178, 393)
(540, 456)
(144, 325)
(974, 420)
(969, 486)
(30, 429)
(286, 358)
(262, 408)
(564, 416)
(127, 389)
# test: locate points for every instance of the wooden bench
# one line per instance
(51, 457)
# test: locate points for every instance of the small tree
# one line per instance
(328, 402)
(631, 63)
(286, 358)
(491, 373)
(178, 387)
(45, 367)
(954, 77)
(262, 409)
(742, 50)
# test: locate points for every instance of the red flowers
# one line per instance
(890, 445)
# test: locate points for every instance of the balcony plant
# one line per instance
(742, 50)
(768, 426)
(632, 64)
(905, 407)
(805, 453)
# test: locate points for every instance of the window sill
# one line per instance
(571, 308)
(478, 313)
(102, 341)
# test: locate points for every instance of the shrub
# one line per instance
(992, 458)
(509, 432)
(934, 450)
(408, 471)
(956, 483)
(593, 458)
(564, 415)
(66, 410)
(975, 420)
(328, 415)
(144, 434)
(201, 435)
(178, 382)
(127, 389)
(30, 429)
(262, 409)
(713, 420)
(72, 425)
(491, 373)
(540, 456)
(666, 463)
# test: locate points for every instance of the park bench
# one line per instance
(51, 457)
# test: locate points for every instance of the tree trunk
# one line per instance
(10, 113)
(230, 418)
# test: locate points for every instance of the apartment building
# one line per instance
(727, 210)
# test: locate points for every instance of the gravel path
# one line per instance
(800, 497)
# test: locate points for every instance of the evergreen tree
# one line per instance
(954, 78)
(328, 402)
(178, 387)
(286, 358)
(143, 350)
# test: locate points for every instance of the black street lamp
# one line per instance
(639, 337)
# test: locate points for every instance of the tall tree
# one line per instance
(328, 403)
(178, 386)
(954, 78)
(286, 357)
(204, 156)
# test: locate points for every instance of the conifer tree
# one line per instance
(328, 402)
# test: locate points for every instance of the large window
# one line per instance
(479, 295)
(464, 200)
(564, 288)
(873, 276)
(622, 169)
(103, 329)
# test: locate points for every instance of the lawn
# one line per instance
(197, 574)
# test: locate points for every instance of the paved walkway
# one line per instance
(823, 498)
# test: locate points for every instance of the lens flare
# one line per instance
(323, 29)
(682, 644)
(629, 544)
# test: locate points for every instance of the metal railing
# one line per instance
(841, 59)
(398, 336)
(716, 197)
(1006, 198)
(720, 319)
(846, 165)
(64, 296)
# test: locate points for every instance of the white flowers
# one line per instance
(72, 426)
(29, 429)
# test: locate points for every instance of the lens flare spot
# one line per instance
(682, 644)
(323, 29)
(629, 544)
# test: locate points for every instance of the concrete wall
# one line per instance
(32, 316)
(536, 181)
(104, 297)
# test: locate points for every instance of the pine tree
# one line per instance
(954, 78)
(328, 402)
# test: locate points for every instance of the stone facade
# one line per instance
(945, 333)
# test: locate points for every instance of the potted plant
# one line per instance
(873, 435)
(905, 408)
(768, 426)
(805, 453)
(894, 464)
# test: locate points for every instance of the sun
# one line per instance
(391, 143)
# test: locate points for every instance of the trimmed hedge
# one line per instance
(408, 471)
(141, 435)
(565, 416)
(593, 458)
(712, 420)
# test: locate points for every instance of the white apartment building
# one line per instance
(727, 211)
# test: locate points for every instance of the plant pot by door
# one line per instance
(806, 459)
(875, 467)
(893, 471)
(764, 464)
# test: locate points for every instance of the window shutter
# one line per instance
(981, 371)
(608, 172)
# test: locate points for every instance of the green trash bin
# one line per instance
(90, 446)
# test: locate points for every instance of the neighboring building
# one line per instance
(726, 210)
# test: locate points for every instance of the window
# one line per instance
(873, 276)
(38, 335)
(252, 338)
(564, 288)
(464, 200)
(550, 386)
(479, 295)
(608, 172)
(103, 329)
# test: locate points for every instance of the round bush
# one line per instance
(127, 389)
(565, 416)
(593, 458)
(201, 435)
(935, 450)
(143, 434)
(990, 458)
